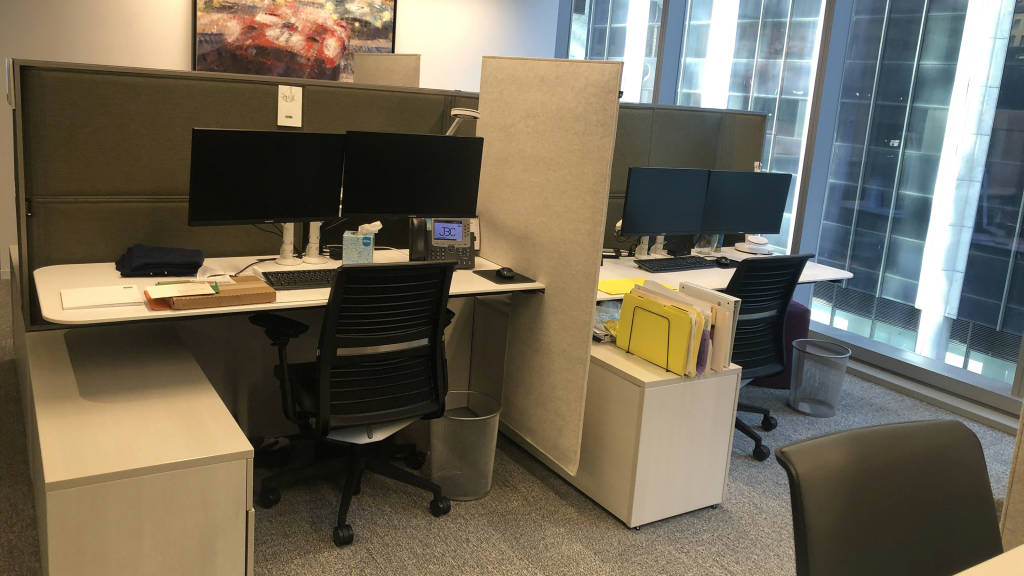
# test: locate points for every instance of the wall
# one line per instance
(116, 32)
(452, 36)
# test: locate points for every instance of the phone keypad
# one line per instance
(464, 256)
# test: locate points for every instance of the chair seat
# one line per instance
(368, 433)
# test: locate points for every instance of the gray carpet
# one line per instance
(532, 522)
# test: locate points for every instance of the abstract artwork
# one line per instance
(294, 38)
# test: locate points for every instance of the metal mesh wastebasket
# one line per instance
(819, 368)
(462, 444)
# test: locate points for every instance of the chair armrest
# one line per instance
(278, 328)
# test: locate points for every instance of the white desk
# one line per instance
(137, 465)
(714, 278)
(52, 279)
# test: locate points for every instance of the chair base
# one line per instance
(319, 460)
(371, 457)
(768, 423)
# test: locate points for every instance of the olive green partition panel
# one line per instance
(102, 153)
(678, 137)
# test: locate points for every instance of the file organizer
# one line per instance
(660, 332)
(665, 327)
(725, 312)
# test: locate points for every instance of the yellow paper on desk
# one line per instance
(660, 333)
(623, 285)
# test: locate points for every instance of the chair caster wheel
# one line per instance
(440, 506)
(269, 497)
(343, 535)
(415, 460)
(761, 452)
(769, 423)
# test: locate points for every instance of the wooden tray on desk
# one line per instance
(245, 290)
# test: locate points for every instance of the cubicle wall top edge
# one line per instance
(643, 106)
(18, 64)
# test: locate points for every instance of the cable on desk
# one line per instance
(250, 265)
(277, 233)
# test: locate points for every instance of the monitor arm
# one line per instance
(287, 255)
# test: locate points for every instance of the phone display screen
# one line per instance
(451, 231)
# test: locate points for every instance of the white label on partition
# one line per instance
(289, 106)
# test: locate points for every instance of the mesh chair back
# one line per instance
(910, 498)
(765, 287)
(381, 351)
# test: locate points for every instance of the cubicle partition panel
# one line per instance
(543, 196)
(386, 69)
(102, 153)
(678, 137)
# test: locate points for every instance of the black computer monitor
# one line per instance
(252, 176)
(749, 202)
(664, 200)
(411, 174)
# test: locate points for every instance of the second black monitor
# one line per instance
(748, 202)
(664, 201)
(411, 174)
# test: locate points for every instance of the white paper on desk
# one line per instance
(100, 296)
(180, 289)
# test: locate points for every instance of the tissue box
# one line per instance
(357, 248)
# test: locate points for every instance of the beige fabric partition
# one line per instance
(543, 197)
(387, 69)
(1012, 521)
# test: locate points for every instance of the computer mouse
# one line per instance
(723, 262)
(506, 273)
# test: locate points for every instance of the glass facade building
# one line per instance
(923, 201)
(756, 55)
(626, 31)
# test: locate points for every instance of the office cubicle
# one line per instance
(678, 137)
(101, 153)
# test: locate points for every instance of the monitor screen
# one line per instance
(251, 176)
(748, 202)
(411, 174)
(664, 200)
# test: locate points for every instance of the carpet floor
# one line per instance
(531, 523)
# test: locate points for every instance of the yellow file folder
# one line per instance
(660, 333)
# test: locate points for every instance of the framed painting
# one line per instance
(292, 38)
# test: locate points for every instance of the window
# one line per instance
(628, 31)
(926, 176)
(757, 55)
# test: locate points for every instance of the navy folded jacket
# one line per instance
(142, 260)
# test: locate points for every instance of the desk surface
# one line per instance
(52, 279)
(714, 278)
(103, 413)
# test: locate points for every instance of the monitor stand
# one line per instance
(312, 255)
(287, 255)
(657, 251)
(641, 248)
(754, 245)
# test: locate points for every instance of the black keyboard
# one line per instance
(300, 279)
(677, 264)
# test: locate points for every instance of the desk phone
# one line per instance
(442, 239)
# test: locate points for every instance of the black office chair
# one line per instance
(911, 498)
(380, 366)
(765, 286)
